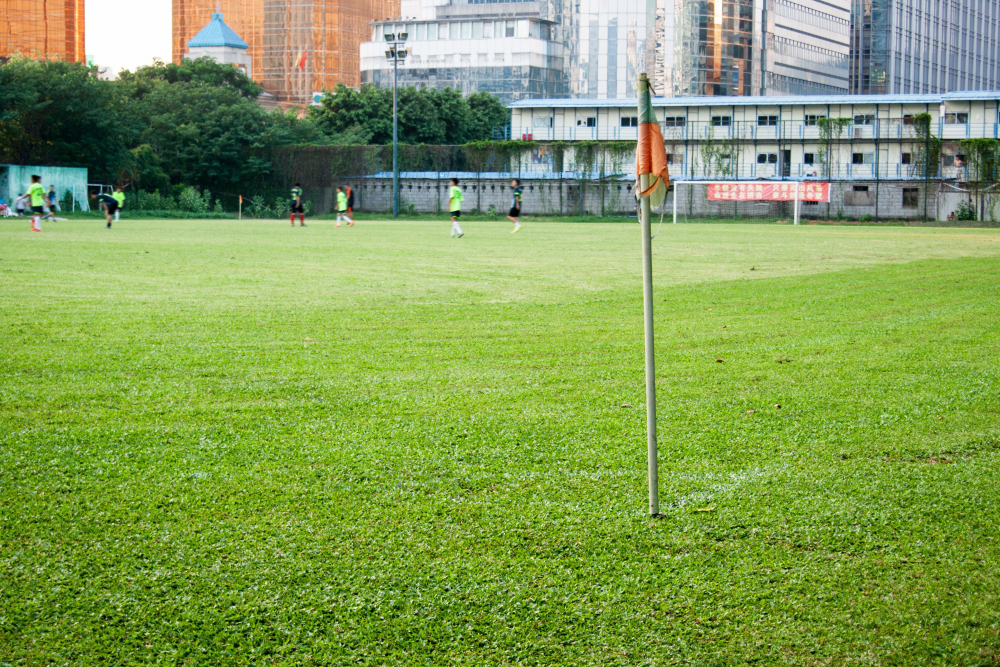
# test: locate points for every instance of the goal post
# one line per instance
(744, 201)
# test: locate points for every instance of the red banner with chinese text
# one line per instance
(768, 192)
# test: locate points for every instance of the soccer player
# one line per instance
(350, 205)
(109, 203)
(119, 196)
(341, 205)
(36, 195)
(298, 206)
(515, 211)
(455, 207)
(53, 199)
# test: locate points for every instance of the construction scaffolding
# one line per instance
(297, 47)
(43, 29)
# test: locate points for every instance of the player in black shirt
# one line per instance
(515, 210)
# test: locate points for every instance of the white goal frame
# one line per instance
(798, 191)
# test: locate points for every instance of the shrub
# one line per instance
(966, 211)
(193, 201)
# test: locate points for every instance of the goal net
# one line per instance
(743, 201)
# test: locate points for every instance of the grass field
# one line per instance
(240, 443)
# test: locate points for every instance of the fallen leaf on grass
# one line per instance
(626, 405)
(718, 361)
(750, 412)
(706, 509)
(777, 405)
(309, 340)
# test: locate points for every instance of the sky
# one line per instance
(125, 34)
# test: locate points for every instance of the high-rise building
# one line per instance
(296, 47)
(749, 47)
(44, 29)
(924, 46)
(596, 49)
(499, 48)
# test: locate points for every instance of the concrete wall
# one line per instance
(884, 201)
(15, 179)
(550, 197)
(540, 196)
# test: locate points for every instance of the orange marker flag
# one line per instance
(651, 154)
(303, 57)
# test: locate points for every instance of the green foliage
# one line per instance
(830, 132)
(966, 212)
(194, 201)
(426, 116)
(926, 148)
(202, 134)
(140, 200)
(201, 71)
(982, 161)
(487, 114)
(61, 114)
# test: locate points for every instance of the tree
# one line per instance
(982, 162)
(426, 116)
(202, 134)
(487, 112)
(203, 70)
(61, 114)
(455, 114)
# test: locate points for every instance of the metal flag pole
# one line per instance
(645, 213)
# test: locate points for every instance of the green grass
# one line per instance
(240, 443)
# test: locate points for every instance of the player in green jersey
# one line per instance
(455, 208)
(36, 197)
(298, 205)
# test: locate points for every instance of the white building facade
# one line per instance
(866, 137)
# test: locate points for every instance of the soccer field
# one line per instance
(241, 443)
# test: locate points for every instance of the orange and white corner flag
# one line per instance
(651, 154)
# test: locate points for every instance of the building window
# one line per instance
(809, 158)
(911, 197)
(674, 121)
(767, 121)
(675, 158)
(510, 28)
(954, 160)
(907, 158)
(767, 158)
(908, 119)
(722, 121)
(630, 121)
(812, 121)
(864, 119)
(861, 188)
(956, 118)
(863, 158)
(590, 121)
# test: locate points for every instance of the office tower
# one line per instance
(52, 29)
(508, 49)
(752, 47)
(596, 49)
(924, 46)
(296, 47)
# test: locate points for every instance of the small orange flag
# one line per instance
(303, 57)
(651, 153)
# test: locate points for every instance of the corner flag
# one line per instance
(651, 155)
(654, 180)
